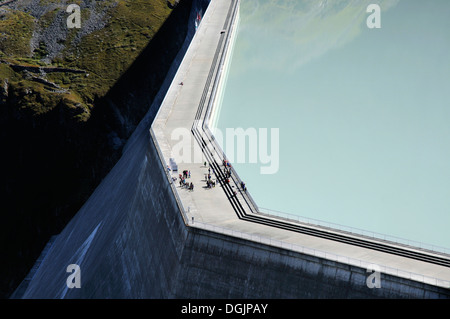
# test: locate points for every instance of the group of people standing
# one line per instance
(186, 174)
(227, 171)
(209, 182)
(183, 182)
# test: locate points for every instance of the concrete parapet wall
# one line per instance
(218, 266)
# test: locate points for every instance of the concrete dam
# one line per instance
(142, 235)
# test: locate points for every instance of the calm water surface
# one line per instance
(363, 114)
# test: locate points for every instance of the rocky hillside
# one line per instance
(69, 99)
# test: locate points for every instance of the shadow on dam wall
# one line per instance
(52, 162)
(130, 241)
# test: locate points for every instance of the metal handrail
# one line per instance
(234, 175)
(204, 123)
(356, 231)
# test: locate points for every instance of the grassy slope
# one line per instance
(105, 54)
(15, 32)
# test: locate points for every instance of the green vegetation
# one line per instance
(104, 54)
(32, 98)
(46, 20)
(7, 73)
(41, 52)
(16, 30)
(108, 52)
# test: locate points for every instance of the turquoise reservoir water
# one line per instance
(363, 114)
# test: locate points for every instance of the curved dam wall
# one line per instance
(131, 241)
